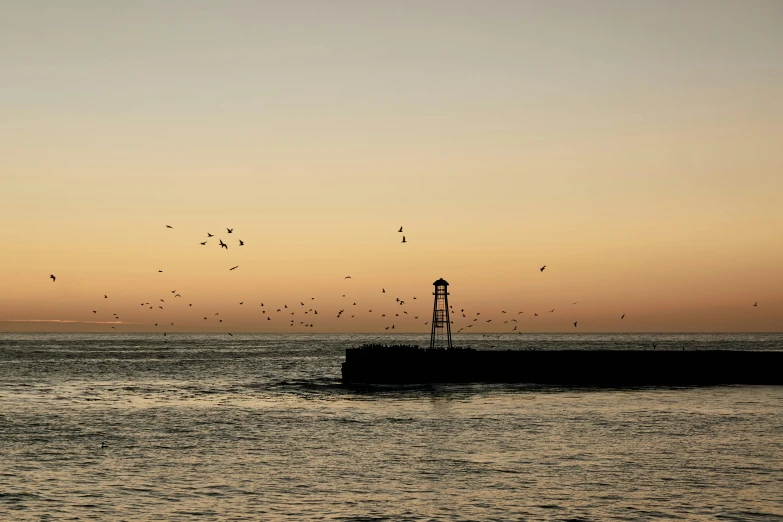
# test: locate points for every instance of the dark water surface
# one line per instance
(259, 427)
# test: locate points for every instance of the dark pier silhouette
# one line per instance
(608, 368)
(442, 363)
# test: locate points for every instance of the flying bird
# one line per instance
(169, 226)
(52, 278)
(622, 316)
(403, 240)
(222, 244)
(347, 277)
(400, 230)
(230, 230)
(233, 267)
(542, 268)
(575, 324)
(754, 304)
(160, 271)
(203, 243)
(241, 243)
(105, 296)
(209, 235)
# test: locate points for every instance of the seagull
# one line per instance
(552, 310)
(383, 290)
(209, 235)
(95, 311)
(230, 230)
(754, 304)
(347, 277)
(622, 316)
(52, 278)
(222, 244)
(233, 267)
(203, 243)
(232, 335)
(403, 240)
(169, 226)
(574, 302)
(542, 268)
(241, 302)
(104, 445)
(177, 295)
(160, 271)
(575, 324)
(400, 230)
(241, 243)
(105, 296)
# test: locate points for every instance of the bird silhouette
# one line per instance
(160, 271)
(209, 235)
(403, 240)
(622, 316)
(105, 296)
(203, 243)
(347, 277)
(52, 278)
(756, 303)
(222, 244)
(383, 290)
(233, 267)
(400, 230)
(241, 243)
(95, 311)
(169, 226)
(230, 230)
(542, 268)
(575, 324)
(552, 310)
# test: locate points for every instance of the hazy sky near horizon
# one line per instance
(632, 147)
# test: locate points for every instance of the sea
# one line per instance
(259, 427)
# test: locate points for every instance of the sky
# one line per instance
(634, 148)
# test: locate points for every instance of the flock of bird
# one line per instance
(464, 319)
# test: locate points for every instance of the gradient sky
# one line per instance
(635, 148)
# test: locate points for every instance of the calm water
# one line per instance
(258, 427)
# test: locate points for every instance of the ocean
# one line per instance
(259, 427)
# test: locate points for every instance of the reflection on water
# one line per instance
(259, 427)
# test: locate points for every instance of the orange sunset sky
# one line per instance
(634, 148)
